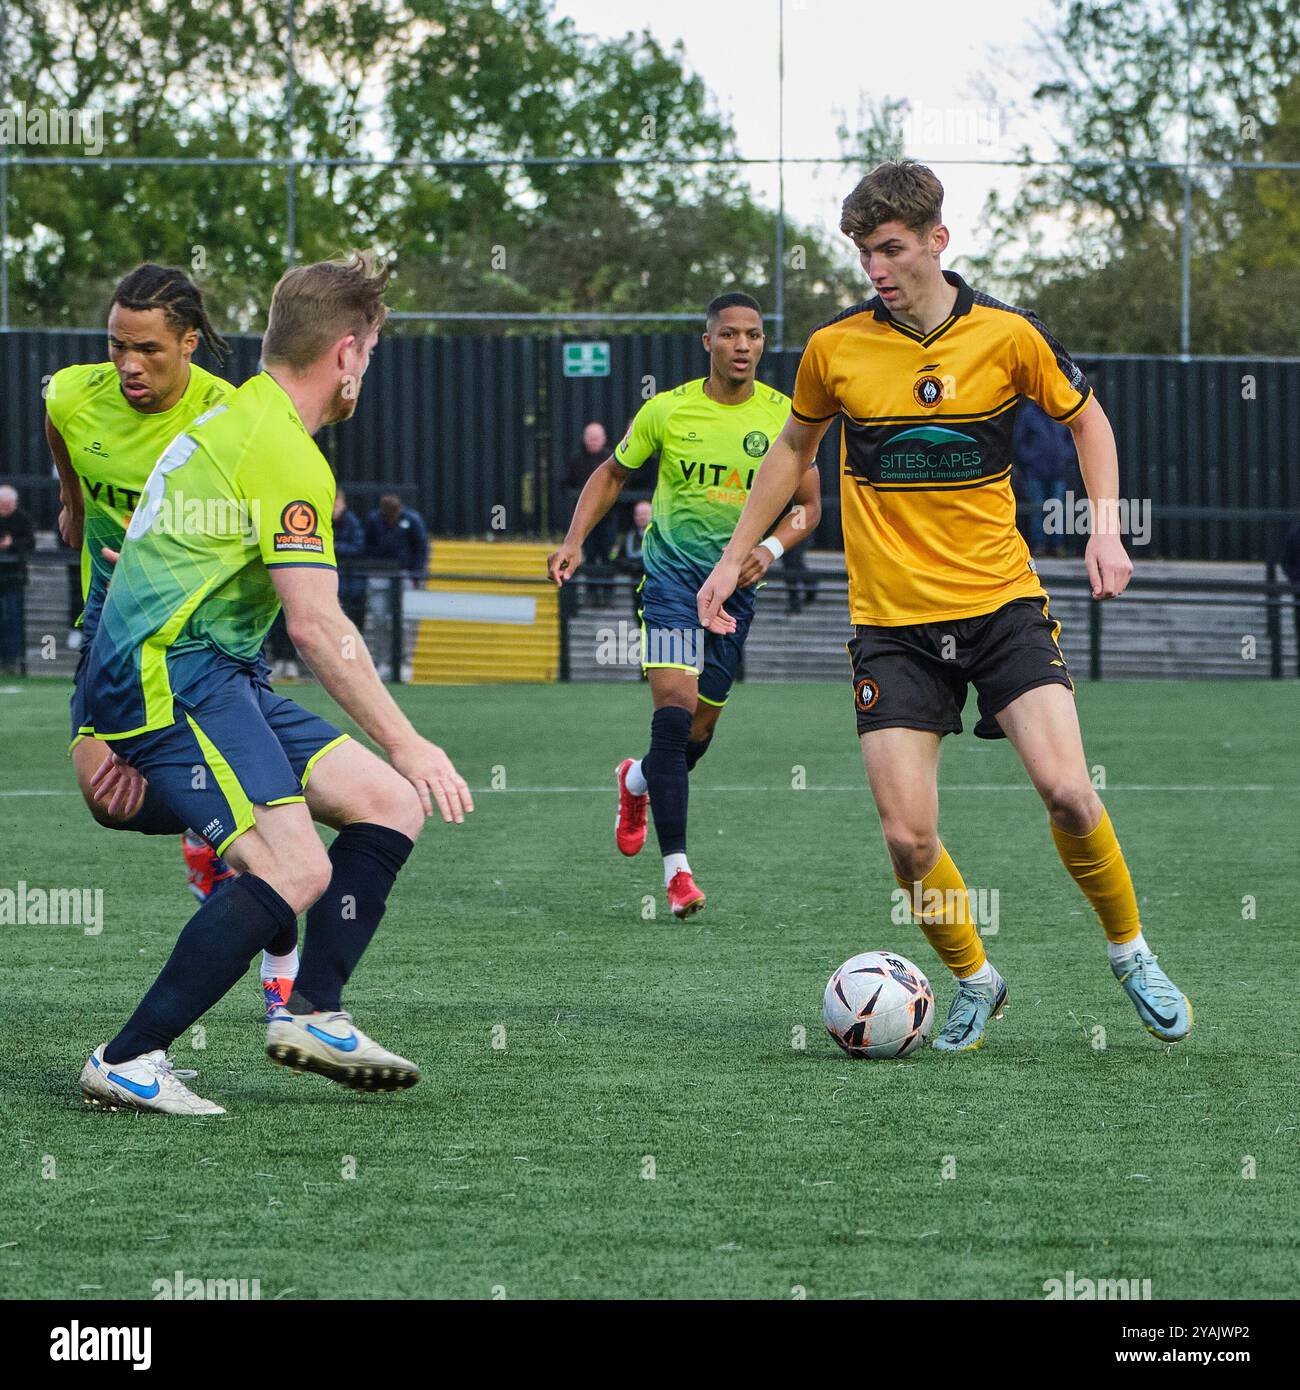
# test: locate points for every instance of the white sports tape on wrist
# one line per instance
(775, 546)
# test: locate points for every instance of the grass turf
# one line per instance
(637, 1047)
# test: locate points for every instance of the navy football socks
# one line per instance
(367, 860)
(283, 941)
(664, 768)
(209, 958)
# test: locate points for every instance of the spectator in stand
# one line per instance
(17, 541)
(595, 450)
(396, 535)
(627, 556)
(1291, 568)
(349, 551)
(1044, 452)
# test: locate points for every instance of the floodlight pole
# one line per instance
(780, 176)
(4, 172)
(1185, 310)
(291, 169)
(4, 238)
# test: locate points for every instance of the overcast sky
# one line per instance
(837, 52)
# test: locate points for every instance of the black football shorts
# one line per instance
(916, 677)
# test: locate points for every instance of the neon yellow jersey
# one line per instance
(113, 448)
(243, 491)
(709, 454)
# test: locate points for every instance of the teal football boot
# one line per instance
(972, 1007)
(1165, 1011)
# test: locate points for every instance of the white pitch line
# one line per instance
(39, 792)
(943, 787)
(854, 788)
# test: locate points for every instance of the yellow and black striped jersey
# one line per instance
(928, 513)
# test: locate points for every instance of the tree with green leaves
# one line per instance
(421, 84)
(1218, 80)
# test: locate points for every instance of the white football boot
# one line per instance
(330, 1044)
(148, 1082)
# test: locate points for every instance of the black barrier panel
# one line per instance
(450, 424)
(475, 432)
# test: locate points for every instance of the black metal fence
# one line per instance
(475, 432)
(390, 630)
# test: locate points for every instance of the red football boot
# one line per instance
(629, 823)
(684, 897)
(276, 991)
(205, 869)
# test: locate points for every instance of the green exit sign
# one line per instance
(586, 359)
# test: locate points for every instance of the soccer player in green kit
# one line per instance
(106, 423)
(711, 435)
(233, 523)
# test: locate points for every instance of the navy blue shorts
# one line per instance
(238, 746)
(77, 702)
(671, 636)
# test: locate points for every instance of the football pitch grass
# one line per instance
(662, 1114)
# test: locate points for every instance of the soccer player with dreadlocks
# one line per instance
(106, 424)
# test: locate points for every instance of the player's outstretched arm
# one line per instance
(72, 519)
(597, 497)
(778, 480)
(330, 644)
(1108, 564)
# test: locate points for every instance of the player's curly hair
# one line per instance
(314, 306)
(168, 288)
(900, 190)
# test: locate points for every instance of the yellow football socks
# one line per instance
(941, 907)
(1096, 863)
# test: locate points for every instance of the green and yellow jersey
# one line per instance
(709, 454)
(113, 448)
(926, 502)
(243, 491)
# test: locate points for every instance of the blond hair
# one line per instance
(313, 306)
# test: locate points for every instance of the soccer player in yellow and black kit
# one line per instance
(925, 379)
(711, 436)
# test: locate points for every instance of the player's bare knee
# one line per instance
(299, 871)
(316, 876)
(1072, 804)
(402, 810)
(300, 878)
(96, 810)
(913, 849)
(102, 817)
(388, 799)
